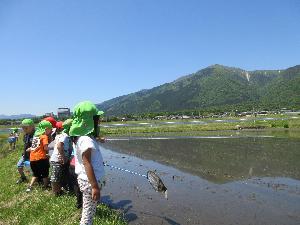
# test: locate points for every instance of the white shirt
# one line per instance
(60, 138)
(83, 144)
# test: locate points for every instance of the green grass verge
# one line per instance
(39, 207)
(190, 128)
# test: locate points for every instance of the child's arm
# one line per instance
(46, 150)
(102, 140)
(60, 148)
(45, 145)
(86, 158)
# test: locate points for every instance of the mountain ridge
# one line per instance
(215, 86)
(18, 116)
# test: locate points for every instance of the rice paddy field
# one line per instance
(191, 127)
(217, 171)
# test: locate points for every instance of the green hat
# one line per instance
(27, 123)
(42, 126)
(83, 122)
(67, 125)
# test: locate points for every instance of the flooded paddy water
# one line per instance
(247, 177)
(158, 123)
(5, 130)
(218, 177)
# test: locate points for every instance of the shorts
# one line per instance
(21, 163)
(12, 140)
(56, 172)
(40, 168)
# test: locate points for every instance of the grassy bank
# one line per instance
(211, 126)
(3, 136)
(38, 207)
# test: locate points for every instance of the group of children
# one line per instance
(76, 162)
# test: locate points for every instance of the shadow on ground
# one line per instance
(131, 215)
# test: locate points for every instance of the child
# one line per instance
(60, 156)
(12, 141)
(16, 133)
(72, 179)
(54, 123)
(39, 161)
(73, 183)
(28, 128)
(88, 159)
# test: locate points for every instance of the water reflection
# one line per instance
(220, 160)
(193, 200)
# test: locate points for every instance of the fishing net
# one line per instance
(151, 176)
(157, 183)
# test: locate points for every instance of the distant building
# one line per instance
(63, 113)
(262, 113)
(49, 114)
(160, 118)
(185, 117)
(285, 110)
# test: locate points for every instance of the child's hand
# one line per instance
(102, 140)
(62, 160)
(96, 193)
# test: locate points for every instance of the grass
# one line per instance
(191, 128)
(39, 207)
(2, 136)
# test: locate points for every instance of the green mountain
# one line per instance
(216, 87)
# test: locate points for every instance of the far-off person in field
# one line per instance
(12, 141)
(16, 133)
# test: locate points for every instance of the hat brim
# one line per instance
(81, 127)
(100, 113)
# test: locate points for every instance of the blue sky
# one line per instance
(55, 53)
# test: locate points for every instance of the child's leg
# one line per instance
(56, 188)
(46, 182)
(21, 172)
(89, 205)
(66, 176)
(72, 179)
(35, 171)
(56, 174)
(44, 171)
(20, 166)
(33, 180)
(78, 197)
(73, 186)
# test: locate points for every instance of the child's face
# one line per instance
(48, 131)
(28, 129)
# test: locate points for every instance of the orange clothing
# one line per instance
(38, 151)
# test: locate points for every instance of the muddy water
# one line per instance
(244, 179)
